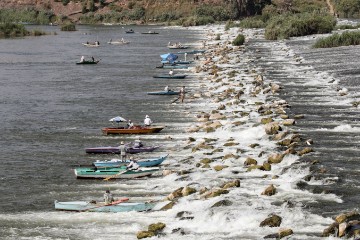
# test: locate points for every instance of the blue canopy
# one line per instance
(169, 57)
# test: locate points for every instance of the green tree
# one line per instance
(348, 7)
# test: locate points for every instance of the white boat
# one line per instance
(95, 44)
(118, 42)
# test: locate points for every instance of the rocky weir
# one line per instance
(245, 159)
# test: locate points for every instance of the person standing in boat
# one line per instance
(82, 59)
(171, 73)
(182, 94)
(108, 198)
(147, 121)
(92, 58)
(133, 165)
(122, 149)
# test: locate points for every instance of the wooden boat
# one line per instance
(96, 44)
(116, 172)
(85, 206)
(133, 130)
(192, 52)
(129, 31)
(177, 46)
(129, 149)
(150, 32)
(170, 76)
(173, 66)
(88, 62)
(120, 42)
(164, 93)
(151, 162)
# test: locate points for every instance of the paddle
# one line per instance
(175, 100)
(113, 203)
(115, 175)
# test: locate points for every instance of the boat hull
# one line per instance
(173, 67)
(164, 93)
(116, 150)
(113, 173)
(136, 130)
(87, 62)
(170, 77)
(142, 163)
(81, 206)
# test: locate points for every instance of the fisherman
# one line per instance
(122, 149)
(133, 165)
(167, 89)
(82, 59)
(171, 72)
(138, 143)
(92, 58)
(130, 124)
(147, 121)
(108, 198)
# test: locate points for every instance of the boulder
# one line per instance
(342, 229)
(305, 151)
(188, 191)
(215, 125)
(266, 166)
(271, 221)
(217, 116)
(216, 193)
(168, 206)
(275, 158)
(284, 116)
(285, 232)
(209, 129)
(145, 234)
(191, 139)
(231, 184)
(269, 191)
(285, 142)
(288, 122)
(182, 214)
(254, 167)
(230, 155)
(222, 203)
(299, 116)
(167, 172)
(267, 112)
(254, 145)
(156, 227)
(331, 230)
(250, 161)
(229, 144)
(266, 120)
(220, 167)
(203, 190)
(346, 217)
(206, 160)
(280, 136)
(176, 194)
(272, 128)
(237, 123)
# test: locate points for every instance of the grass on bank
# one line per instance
(337, 40)
(8, 30)
(239, 40)
(68, 27)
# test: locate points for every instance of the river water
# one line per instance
(51, 109)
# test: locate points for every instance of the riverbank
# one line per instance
(244, 159)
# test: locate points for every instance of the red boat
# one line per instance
(133, 130)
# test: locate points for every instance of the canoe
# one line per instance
(129, 31)
(134, 130)
(150, 32)
(173, 66)
(88, 62)
(176, 62)
(117, 42)
(91, 45)
(129, 149)
(116, 172)
(151, 162)
(164, 93)
(84, 206)
(170, 76)
(192, 52)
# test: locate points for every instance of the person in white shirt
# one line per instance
(171, 72)
(167, 89)
(147, 121)
(108, 198)
(82, 59)
(133, 165)
(130, 124)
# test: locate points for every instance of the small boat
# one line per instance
(95, 44)
(150, 32)
(88, 62)
(133, 130)
(177, 46)
(192, 52)
(129, 31)
(114, 172)
(176, 62)
(164, 93)
(173, 66)
(117, 206)
(170, 76)
(119, 42)
(129, 149)
(152, 162)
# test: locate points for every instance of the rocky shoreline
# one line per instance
(243, 134)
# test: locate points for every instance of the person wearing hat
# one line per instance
(133, 165)
(122, 149)
(130, 124)
(108, 198)
(147, 121)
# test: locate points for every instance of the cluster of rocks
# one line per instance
(346, 225)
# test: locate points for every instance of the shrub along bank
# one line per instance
(337, 40)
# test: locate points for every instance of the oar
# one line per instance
(175, 100)
(110, 204)
(115, 175)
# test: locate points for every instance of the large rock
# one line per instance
(331, 230)
(216, 193)
(346, 217)
(188, 191)
(288, 122)
(280, 136)
(272, 128)
(230, 144)
(230, 155)
(272, 221)
(145, 234)
(250, 161)
(168, 206)
(275, 158)
(285, 232)
(222, 203)
(254, 167)
(176, 194)
(231, 184)
(266, 166)
(220, 167)
(217, 116)
(305, 151)
(269, 191)
(156, 227)
(215, 125)
(266, 120)
(206, 161)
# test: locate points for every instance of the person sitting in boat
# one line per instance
(133, 165)
(130, 124)
(171, 73)
(122, 40)
(167, 89)
(138, 143)
(82, 59)
(108, 198)
(97, 43)
(147, 121)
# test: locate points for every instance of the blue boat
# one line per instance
(151, 162)
(173, 66)
(113, 173)
(164, 93)
(170, 76)
(84, 206)
(177, 62)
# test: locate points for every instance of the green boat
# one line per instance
(112, 173)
